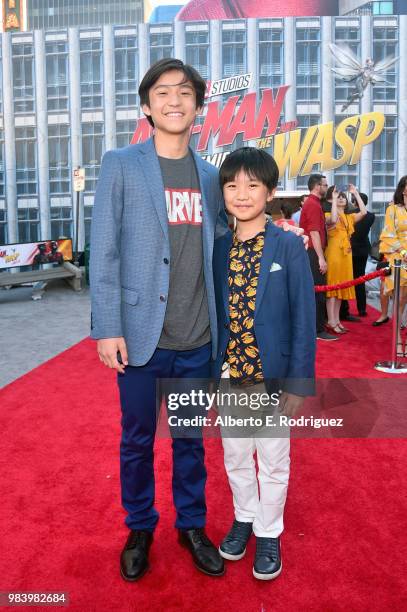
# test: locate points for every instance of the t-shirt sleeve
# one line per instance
(314, 216)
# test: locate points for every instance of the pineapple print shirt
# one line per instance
(242, 352)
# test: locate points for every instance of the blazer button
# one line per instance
(221, 353)
(162, 298)
(226, 325)
(166, 261)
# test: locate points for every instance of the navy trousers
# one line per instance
(139, 420)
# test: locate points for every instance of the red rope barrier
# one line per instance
(353, 282)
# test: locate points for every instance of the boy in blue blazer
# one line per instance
(266, 324)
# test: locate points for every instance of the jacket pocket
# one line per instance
(129, 296)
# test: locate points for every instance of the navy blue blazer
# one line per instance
(284, 318)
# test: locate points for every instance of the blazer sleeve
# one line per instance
(104, 270)
(221, 227)
(301, 295)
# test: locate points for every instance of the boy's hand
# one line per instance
(108, 350)
(298, 231)
(290, 404)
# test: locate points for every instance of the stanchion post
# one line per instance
(393, 366)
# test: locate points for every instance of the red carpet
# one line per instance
(62, 524)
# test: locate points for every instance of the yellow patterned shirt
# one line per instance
(242, 352)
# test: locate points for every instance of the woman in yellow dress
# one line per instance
(338, 255)
(393, 245)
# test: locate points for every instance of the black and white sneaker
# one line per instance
(233, 546)
(267, 562)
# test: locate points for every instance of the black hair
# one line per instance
(303, 198)
(329, 193)
(398, 194)
(364, 198)
(165, 65)
(286, 210)
(256, 163)
(315, 179)
(348, 208)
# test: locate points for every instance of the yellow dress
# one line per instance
(338, 255)
(393, 239)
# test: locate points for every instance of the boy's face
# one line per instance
(172, 103)
(246, 197)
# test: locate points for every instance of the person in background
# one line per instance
(360, 244)
(384, 307)
(286, 216)
(338, 255)
(313, 222)
(393, 245)
(296, 216)
(344, 312)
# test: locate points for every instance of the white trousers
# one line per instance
(259, 501)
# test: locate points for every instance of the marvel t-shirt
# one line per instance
(186, 322)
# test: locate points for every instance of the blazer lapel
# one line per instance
(153, 179)
(223, 263)
(271, 243)
(208, 222)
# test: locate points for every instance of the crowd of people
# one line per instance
(338, 224)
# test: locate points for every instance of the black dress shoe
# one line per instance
(134, 557)
(362, 313)
(267, 562)
(351, 318)
(205, 555)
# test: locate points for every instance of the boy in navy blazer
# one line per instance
(266, 324)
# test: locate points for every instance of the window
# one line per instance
(385, 156)
(28, 224)
(124, 132)
(233, 52)
(57, 75)
(126, 71)
(308, 64)
(382, 8)
(161, 45)
(61, 222)
(270, 57)
(197, 51)
(385, 45)
(306, 121)
(91, 72)
(92, 151)
(351, 38)
(59, 161)
(26, 160)
(3, 226)
(44, 14)
(23, 77)
(88, 220)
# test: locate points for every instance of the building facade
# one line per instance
(68, 95)
(45, 14)
(372, 7)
